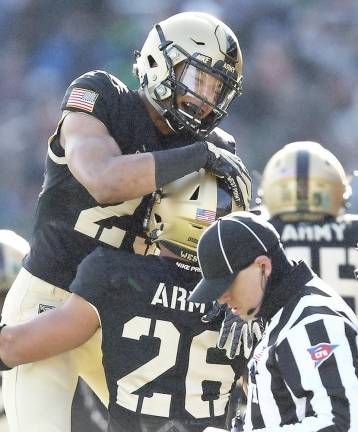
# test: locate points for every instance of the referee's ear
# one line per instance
(265, 264)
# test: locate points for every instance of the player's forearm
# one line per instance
(13, 346)
(96, 161)
(123, 178)
(19, 344)
(49, 334)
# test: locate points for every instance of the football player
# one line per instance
(111, 147)
(304, 189)
(13, 248)
(162, 366)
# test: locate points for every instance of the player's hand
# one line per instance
(230, 167)
(238, 336)
(213, 313)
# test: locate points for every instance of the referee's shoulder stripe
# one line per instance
(290, 309)
(312, 290)
(311, 311)
(308, 307)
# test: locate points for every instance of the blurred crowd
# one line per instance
(300, 76)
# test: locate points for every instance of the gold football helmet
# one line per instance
(190, 68)
(183, 209)
(13, 248)
(304, 178)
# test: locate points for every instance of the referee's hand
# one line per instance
(239, 337)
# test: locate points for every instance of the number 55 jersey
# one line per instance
(328, 246)
(163, 370)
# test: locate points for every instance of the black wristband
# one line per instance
(3, 366)
(176, 163)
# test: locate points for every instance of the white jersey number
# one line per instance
(88, 222)
(198, 371)
(330, 261)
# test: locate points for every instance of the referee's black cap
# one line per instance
(228, 246)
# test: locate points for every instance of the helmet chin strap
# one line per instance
(154, 104)
(160, 110)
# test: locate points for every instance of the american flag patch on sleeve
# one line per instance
(82, 98)
(205, 215)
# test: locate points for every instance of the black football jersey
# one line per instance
(328, 247)
(69, 223)
(162, 366)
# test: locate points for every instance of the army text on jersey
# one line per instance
(161, 362)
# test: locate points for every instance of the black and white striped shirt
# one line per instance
(303, 376)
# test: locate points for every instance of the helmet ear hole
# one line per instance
(157, 218)
(152, 62)
(195, 195)
(198, 227)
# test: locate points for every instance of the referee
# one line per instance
(303, 373)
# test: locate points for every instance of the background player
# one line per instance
(305, 190)
(13, 248)
(163, 369)
(87, 413)
(113, 145)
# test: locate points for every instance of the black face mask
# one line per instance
(187, 117)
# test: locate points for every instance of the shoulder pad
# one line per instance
(98, 80)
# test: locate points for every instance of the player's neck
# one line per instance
(156, 118)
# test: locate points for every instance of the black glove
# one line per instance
(221, 163)
(213, 313)
(236, 333)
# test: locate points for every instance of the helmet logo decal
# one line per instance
(188, 256)
(193, 240)
(205, 215)
(197, 42)
(228, 67)
(203, 58)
